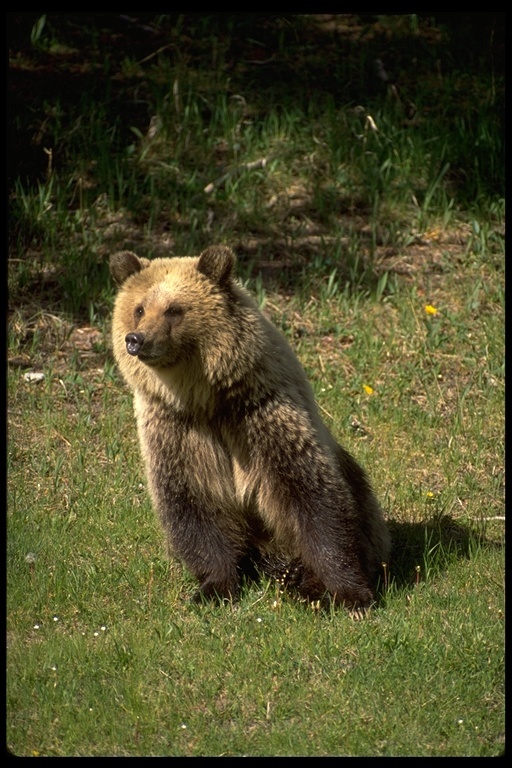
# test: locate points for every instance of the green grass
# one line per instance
(376, 243)
(264, 680)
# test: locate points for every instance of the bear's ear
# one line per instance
(125, 263)
(217, 263)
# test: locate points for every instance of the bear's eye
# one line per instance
(139, 311)
(174, 310)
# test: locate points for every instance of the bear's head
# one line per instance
(216, 262)
(182, 317)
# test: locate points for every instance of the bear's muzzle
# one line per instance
(134, 343)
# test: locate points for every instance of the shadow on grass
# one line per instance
(425, 549)
(65, 67)
(420, 551)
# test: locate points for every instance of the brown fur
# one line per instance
(239, 463)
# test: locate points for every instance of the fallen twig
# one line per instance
(234, 172)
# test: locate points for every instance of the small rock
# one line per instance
(31, 376)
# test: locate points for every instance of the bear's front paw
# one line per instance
(208, 593)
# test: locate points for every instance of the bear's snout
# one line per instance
(134, 342)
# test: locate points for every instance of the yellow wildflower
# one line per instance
(367, 389)
(430, 310)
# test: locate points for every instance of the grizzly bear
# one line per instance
(241, 469)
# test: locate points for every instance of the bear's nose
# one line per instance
(134, 342)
